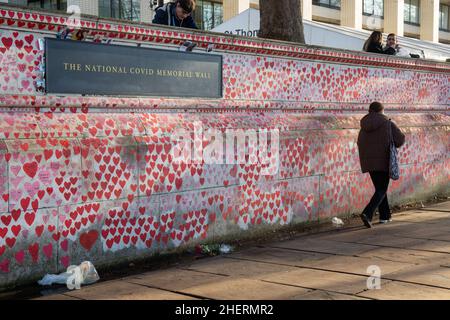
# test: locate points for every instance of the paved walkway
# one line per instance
(412, 253)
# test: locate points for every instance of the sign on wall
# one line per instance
(75, 67)
(245, 24)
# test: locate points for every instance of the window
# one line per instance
(444, 17)
(120, 9)
(335, 4)
(373, 8)
(48, 4)
(208, 14)
(412, 12)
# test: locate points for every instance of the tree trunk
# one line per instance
(281, 20)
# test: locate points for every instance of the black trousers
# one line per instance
(380, 180)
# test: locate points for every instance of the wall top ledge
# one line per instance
(125, 31)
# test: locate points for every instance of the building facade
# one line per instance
(422, 19)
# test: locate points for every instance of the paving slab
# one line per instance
(424, 216)
(348, 264)
(441, 233)
(245, 289)
(382, 234)
(323, 246)
(433, 236)
(391, 241)
(238, 267)
(280, 256)
(323, 280)
(123, 290)
(395, 290)
(174, 279)
(444, 206)
(406, 255)
(430, 274)
(433, 245)
(358, 265)
(354, 235)
(326, 295)
(57, 297)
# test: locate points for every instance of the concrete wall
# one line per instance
(91, 178)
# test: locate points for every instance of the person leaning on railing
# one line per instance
(177, 14)
(393, 48)
(374, 43)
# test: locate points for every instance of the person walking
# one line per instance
(373, 147)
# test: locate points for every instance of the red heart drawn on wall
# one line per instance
(88, 239)
(29, 38)
(29, 218)
(20, 256)
(7, 42)
(30, 168)
(34, 251)
(65, 261)
(4, 266)
(48, 250)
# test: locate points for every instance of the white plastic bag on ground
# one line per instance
(337, 222)
(74, 277)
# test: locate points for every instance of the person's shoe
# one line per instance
(365, 220)
(385, 221)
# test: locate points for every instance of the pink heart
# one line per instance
(15, 169)
(29, 58)
(54, 166)
(32, 188)
(15, 194)
(45, 177)
(25, 83)
(25, 233)
(9, 120)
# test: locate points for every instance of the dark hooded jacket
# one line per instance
(166, 14)
(373, 142)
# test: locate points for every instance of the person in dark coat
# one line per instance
(393, 48)
(177, 14)
(374, 43)
(373, 147)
